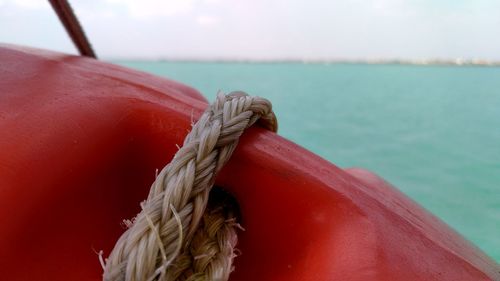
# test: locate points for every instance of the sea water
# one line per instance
(432, 131)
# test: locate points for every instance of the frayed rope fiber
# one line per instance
(175, 236)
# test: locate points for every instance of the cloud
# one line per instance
(207, 20)
(147, 9)
(261, 29)
(27, 4)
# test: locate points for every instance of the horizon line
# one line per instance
(456, 61)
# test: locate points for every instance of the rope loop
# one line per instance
(175, 237)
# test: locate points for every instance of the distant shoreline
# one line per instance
(437, 62)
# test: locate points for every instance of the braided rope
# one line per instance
(212, 248)
(165, 240)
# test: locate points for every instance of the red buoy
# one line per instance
(81, 141)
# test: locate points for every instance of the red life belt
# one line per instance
(80, 143)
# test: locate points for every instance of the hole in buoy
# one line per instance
(221, 200)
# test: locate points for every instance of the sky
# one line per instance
(265, 29)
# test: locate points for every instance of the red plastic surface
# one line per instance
(80, 143)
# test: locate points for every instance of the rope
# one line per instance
(173, 237)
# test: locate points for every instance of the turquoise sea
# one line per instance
(432, 131)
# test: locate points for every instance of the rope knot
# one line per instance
(173, 237)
